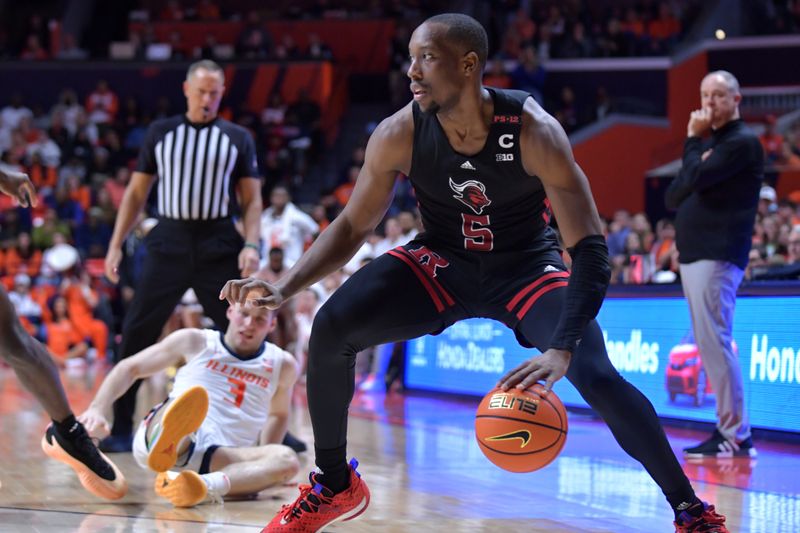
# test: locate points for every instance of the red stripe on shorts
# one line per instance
(537, 295)
(433, 280)
(422, 278)
(521, 294)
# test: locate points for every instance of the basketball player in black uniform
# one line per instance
(486, 165)
(66, 439)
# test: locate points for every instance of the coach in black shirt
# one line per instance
(205, 173)
(716, 195)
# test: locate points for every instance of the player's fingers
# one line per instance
(519, 376)
(229, 292)
(27, 194)
(269, 302)
(548, 384)
(500, 383)
(532, 378)
(250, 286)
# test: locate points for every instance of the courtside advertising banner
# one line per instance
(649, 341)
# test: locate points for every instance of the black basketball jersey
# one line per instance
(485, 202)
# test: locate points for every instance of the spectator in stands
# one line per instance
(14, 112)
(307, 115)
(772, 141)
(767, 198)
(33, 50)
(207, 10)
(612, 43)
(618, 231)
(317, 49)
(576, 44)
(28, 309)
(663, 249)
(102, 105)
(398, 56)
(22, 257)
(254, 42)
(285, 226)
(566, 111)
(306, 305)
(287, 48)
(67, 210)
(285, 332)
(70, 49)
(93, 235)
(84, 304)
(116, 187)
(172, 11)
(496, 75)
(529, 75)
(43, 236)
(68, 103)
(63, 339)
(58, 132)
(208, 49)
(320, 217)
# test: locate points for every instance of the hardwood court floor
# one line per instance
(425, 472)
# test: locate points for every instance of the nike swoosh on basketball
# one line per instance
(523, 434)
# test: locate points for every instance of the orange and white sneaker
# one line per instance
(317, 507)
(184, 489)
(182, 418)
(95, 471)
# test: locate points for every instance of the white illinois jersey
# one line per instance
(239, 390)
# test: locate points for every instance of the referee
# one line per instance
(205, 172)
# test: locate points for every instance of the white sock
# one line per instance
(217, 482)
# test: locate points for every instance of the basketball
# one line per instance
(521, 431)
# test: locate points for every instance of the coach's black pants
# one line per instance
(180, 255)
(408, 293)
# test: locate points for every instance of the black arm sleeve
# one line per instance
(591, 273)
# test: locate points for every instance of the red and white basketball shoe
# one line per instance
(317, 507)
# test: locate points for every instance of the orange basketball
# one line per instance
(521, 431)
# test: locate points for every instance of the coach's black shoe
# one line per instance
(719, 446)
(116, 444)
(95, 471)
(294, 443)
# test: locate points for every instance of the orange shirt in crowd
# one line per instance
(16, 264)
(61, 336)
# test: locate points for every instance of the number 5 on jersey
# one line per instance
(477, 234)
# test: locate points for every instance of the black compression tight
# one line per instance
(385, 302)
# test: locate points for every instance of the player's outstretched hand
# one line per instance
(548, 367)
(95, 422)
(254, 291)
(19, 186)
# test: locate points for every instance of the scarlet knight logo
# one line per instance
(471, 193)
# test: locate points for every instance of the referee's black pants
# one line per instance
(200, 255)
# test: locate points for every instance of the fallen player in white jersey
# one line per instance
(219, 431)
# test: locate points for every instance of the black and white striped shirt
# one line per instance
(197, 166)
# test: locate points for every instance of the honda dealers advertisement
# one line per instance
(649, 341)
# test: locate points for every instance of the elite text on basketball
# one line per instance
(506, 401)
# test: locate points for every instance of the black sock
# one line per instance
(333, 463)
(66, 426)
(695, 507)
